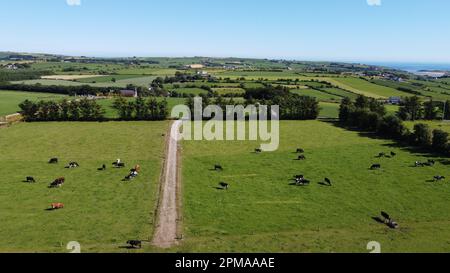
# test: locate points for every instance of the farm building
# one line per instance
(395, 100)
(129, 93)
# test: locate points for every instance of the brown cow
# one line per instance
(56, 206)
(137, 168)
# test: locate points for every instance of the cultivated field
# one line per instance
(262, 212)
(101, 212)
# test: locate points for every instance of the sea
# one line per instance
(415, 67)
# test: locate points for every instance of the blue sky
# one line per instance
(338, 30)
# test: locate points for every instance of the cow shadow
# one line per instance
(218, 188)
(128, 247)
(378, 220)
(324, 184)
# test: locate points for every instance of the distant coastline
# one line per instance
(416, 67)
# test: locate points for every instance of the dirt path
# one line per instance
(166, 229)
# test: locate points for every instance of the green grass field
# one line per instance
(101, 212)
(366, 88)
(99, 81)
(262, 212)
(10, 100)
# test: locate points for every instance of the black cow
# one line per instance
(218, 167)
(439, 178)
(302, 182)
(31, 179)
(393, 154)
(381, 154)
(224, 185)
(301, 157)
(120, 165)
(258, 151)
(299, 176)
(73, 165)
(53, 160)
(419, 164)
(328, 182)
(375, 167)
(135, 243)
(103, 168)
(58, 182)
(300, 151)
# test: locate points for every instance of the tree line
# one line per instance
(413, 109)
(370, 115)
(76, 110)
(141, 109)
(82, 90)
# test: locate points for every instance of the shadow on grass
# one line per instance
(397, 144)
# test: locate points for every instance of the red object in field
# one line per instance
(57, 206)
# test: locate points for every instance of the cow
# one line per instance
(431, 162)
(218, 167)
(328, 182)
(299, 176)
(224, 185)
(30, 179)
(375, 167)
(300, 151)
(302, 182)
(103, 168)
(381, 155)
(73, 165)
(301, 157)
(419, 164)
(439, 178)
(393, 224)
(393, 154)
(258, 150)
(120, 165)
(55, 206)
(137, 168)
(134, 243)
(53, 160)
(58, 182)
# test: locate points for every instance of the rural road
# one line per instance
(166, 229)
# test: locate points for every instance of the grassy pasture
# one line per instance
(321, 96)
(10, 100)
(261, 212)
(101, 212)
(99, 82)
(366, 88)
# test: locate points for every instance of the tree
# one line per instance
(74, 111)
(422, 135)
(120, 104)
(429, 110)
(65, 108)
(345, 108)
(362, 102)
(392, 126)
(377, 107)
(141, 108)
(447, 110)
(440, 140)
(29, 110)
(411, 109)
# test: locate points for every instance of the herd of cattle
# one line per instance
(300, 179)
(59, 182)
